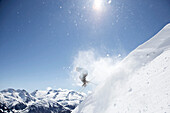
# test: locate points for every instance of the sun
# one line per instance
(98, 5)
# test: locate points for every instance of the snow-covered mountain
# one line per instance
(140, 82)
(56, 101)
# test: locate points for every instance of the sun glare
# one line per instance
(97, 5)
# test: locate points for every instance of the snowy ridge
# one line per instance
(149, 50)
(140, 83)
(61, 100)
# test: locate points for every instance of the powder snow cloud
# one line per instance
(99, 67)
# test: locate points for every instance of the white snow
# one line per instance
(139, 83)
(64, 97)
(99, 68)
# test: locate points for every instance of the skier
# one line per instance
(83, 76)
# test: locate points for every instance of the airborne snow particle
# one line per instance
(119, 55)
(69, 11)
(109, 2)
(68, 34)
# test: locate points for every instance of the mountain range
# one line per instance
(39, 101)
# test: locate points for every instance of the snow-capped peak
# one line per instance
(22, 101)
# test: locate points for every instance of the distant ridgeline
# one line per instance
(50, 101)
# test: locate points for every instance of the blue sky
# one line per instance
(40, 39)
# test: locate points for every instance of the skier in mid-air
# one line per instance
(83, 76)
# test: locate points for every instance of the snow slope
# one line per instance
(139, 83)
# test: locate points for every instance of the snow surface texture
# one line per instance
(21, 101)
(138, 84)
